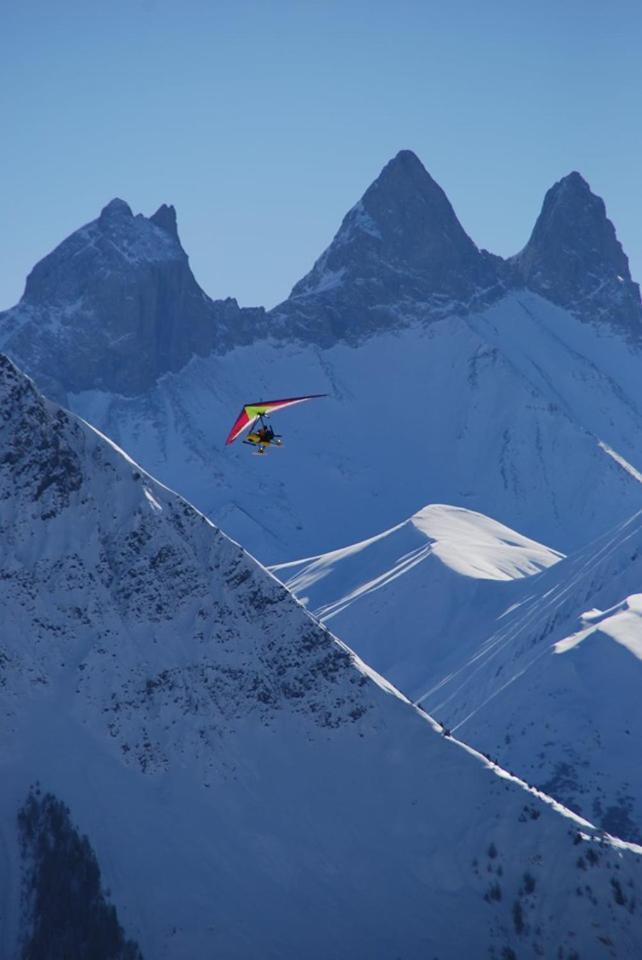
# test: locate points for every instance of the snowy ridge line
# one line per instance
(445, 562)
(630, 469)
(357, 661)
(341, 552)
(156, 483)
(497, 642)
(198, 704)
(116, 448)
(560, 703)
(404, 564)
(494, 646)
(489, 764)
(495, 768)
(504, 774)
(609, 623)
(449, 532)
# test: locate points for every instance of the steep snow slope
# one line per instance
(249, 787)
(411, 599)
(542, 673)
(502, 412)
(553, 691)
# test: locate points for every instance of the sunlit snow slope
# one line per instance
(554, 688)
(249, 787)
(411, 599)
(539, 671)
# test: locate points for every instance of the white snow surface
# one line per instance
(249, 786)
(551, 687)
(542, 672)
(403, 598)
(520, 412)
(623, 623)
(479, 547)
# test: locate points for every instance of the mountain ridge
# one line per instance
(219, 748)
(540, 673)
(509, 365)
(551, 688)
(116, 306)
(399, 257)
(410, 600)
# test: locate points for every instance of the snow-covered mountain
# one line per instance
(450, 381)
(519, 412)
(540, 671)
(116, 306)
(248, 785)
(411, 600)
(554, 688)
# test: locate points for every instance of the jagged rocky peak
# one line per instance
(116, 208)
(400, 252)
(165, 218)
(404, 222)
(116, 243)
(575, 259)
(115, 306)
(409, 214)
(404, 209)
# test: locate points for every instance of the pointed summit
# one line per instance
(399, 254)
(573, 222)
(116, 208)
(115, 306)
(165, 218)
(406, 168)
(575, 259)
(116, 242)
(405, 224)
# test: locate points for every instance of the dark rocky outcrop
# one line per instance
(116, 306)
(574, 258)
(399, 254)
(66, 911)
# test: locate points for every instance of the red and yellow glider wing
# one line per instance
(251, 412)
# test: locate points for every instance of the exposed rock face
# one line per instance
(575, 259)
(165, 217)
(57, 473)
(65, 910)
(400, 253)
(115, 306)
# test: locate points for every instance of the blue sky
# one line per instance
(263, 121)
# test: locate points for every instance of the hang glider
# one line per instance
(252, 412)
